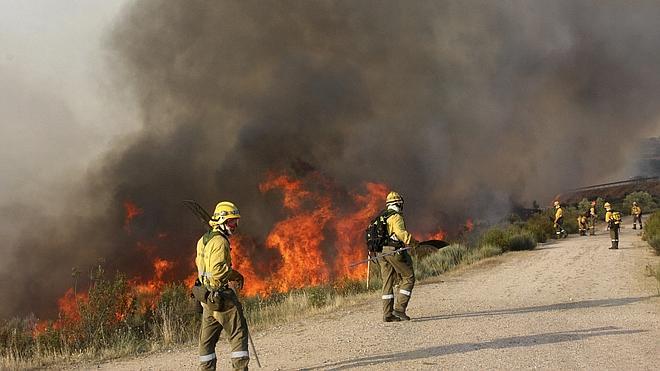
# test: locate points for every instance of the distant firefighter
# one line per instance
(593, 218)
(613, 220)
(559, 221)
(582, 223)
(636, 212)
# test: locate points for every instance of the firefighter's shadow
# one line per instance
(542, 308)
(502, 343)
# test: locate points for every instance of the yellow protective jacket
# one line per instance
(558, 214)
(592, 211)
(635, 210)
(396, 228)
(213, 262)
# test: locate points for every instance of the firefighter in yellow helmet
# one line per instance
(593, 217)
(613, 220)
(397, 265)
(222, 310)
(559, 221)
(636, 212)
(582, 223)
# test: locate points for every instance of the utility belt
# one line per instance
(220, 299)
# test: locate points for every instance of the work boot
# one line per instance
(635, 226)
(391, 318)
(400, 315)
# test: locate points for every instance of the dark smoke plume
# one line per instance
(465, 107)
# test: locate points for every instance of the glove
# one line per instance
(237, 281)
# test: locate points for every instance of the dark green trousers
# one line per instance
(614, 236)
(229, 318)
(392, 267)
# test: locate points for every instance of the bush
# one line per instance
(540, 226)
(644, 199)
(439, 262)
(652, 231)
(522, 241)
(496, 237)
(515, 238)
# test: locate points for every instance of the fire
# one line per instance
(299, 237)
(314, 243)
(131, 212)
(469, 225)
(350, 231)
(150, 291)
(242, 263)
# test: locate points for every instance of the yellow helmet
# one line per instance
(607, 205)
(224, 211)
(393, 198)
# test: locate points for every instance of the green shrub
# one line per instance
(496, 237)
(570, 219)
(652, 231)
(644, 199)
(439, 262)
(540, 225)
(524, 240)
(318, 296)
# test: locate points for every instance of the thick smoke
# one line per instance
(465, 107)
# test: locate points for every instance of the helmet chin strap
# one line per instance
(395, 207)
(226, 230)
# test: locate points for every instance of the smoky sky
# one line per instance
(465, 107)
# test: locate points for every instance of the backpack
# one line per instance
(376, 234)
(615, 218)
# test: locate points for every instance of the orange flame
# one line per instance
(131, 212)
(350, 231)
(298, 238)
(150, 291)
(469, 225)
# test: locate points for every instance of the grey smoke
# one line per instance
(465, 107)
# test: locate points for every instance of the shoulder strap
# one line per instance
(387, 213)
(208, 236)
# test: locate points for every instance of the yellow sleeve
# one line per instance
(608, 215)
(396, 226)
(218, 262)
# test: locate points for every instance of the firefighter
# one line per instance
(582, 223)
(613, 220)
(593, 217)
(636, 212)
(399, 264)
(221, 308)
(559, 221)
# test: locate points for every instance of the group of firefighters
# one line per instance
(218, 282)
(588, 219)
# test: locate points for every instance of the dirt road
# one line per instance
(571, 304)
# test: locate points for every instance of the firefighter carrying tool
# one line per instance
(395, 260)
(215, 290)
